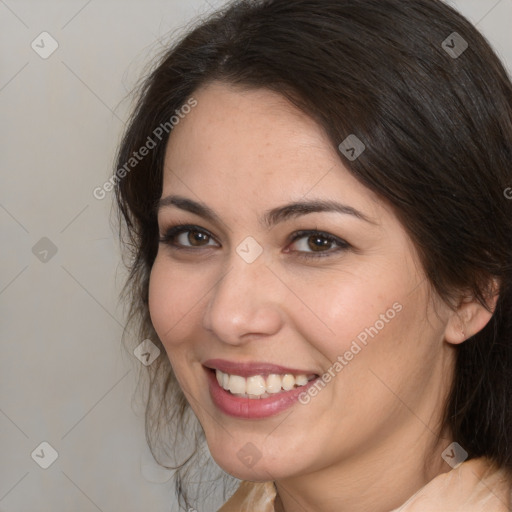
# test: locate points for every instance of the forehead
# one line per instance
(255, 145)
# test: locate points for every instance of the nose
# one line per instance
(244, 303)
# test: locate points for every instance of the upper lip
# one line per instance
(254, 368)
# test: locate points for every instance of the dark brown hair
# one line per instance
(438, 134)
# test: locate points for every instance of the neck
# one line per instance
(366, 481)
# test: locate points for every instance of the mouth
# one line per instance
(255, 390)
(256, 387)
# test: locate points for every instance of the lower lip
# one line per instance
(249, 408)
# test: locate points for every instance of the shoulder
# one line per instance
(474, 486)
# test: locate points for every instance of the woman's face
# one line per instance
(287, 265)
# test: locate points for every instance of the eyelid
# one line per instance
(170, 233)
(342, 245)
(309, 232)
(173, 231)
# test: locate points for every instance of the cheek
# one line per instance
(173, 301)
(340, 308)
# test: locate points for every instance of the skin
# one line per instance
(368, 440)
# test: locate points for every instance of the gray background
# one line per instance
(64, 378)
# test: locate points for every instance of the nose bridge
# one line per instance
(244, 301)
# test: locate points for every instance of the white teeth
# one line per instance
(257, 386)
(236, 384)
(288, 382)
(301, 380)
(273, 383)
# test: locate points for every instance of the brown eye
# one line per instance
(318, 243)
(188, 237)
(198, 238)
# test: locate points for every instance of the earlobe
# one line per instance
(470, 317)
(456, 330)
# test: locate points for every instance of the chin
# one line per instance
(240, 465)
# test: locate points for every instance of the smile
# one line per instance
(259, 386)
(263, 390)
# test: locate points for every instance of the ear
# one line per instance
(470, 317)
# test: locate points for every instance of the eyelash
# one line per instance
(168, 238)
(342, 244)
(172, 232)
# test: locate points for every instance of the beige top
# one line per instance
(474, 486)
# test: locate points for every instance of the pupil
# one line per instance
(317, 243)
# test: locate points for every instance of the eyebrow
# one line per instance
(188, 205)
(297, 209)
(271, 217)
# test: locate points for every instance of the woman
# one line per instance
(321, 245)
